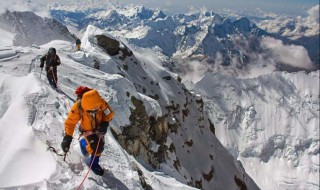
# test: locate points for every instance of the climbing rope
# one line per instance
(60, 92)
(66, 105)
(95, 153)
(90, 164)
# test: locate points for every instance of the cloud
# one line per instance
(314, 14)
(195, 70)
(272, 55)
(275, 24)
(312, 21)
(296, 56)
(293, 28)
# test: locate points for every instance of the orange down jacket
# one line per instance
(91, 100)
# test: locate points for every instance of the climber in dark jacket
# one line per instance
(52, 60)
(78, 41)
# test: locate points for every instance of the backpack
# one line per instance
(91, 104)
(79, 92)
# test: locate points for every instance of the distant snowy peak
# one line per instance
(206, 37)
(140, 12)
(109, 17)
(32, 29)
(112, 18)
(299, 30)
(243, 25)
(180, 35)
(158, 14)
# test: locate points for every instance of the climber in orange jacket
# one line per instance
(94, 114)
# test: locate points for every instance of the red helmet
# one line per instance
(81, 90)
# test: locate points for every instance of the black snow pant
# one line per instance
(52, 76)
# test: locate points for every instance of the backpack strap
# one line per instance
(81, 114)
(93, 125)
(80, 108)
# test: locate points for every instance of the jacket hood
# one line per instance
(91, 100)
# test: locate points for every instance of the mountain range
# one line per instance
(207, 134)
(158, 121)
(202, 36)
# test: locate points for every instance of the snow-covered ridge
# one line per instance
(157, 121)
(32, 117)
(162, 116)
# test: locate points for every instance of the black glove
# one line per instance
(103, 127)
(65, 145)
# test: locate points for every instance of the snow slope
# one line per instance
(25, 94)
(32, 116)
(269, 123)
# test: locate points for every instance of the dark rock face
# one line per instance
(111, 46)
(137, 138)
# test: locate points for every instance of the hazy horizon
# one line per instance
(290, 7)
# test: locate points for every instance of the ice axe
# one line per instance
(51, 148)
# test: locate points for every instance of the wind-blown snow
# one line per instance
(24, 158)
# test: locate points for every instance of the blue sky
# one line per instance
(292, 7)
